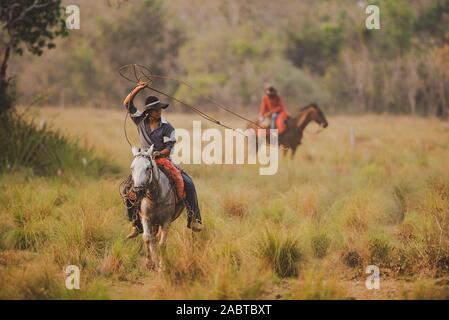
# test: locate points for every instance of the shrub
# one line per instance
(320, 245)
(352, 259)
(281, 253)
(27, 231)
(379, 249)
(45, 152)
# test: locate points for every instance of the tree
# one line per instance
(142, 33)
(32, 24)
(433, 22)
(315, 48)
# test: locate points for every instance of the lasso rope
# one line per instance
(124, 130)
(149, 77)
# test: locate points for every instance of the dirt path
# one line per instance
(390, 289)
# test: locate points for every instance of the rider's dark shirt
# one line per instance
(163, 137)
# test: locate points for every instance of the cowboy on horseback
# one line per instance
(272, 108)
(154, 130)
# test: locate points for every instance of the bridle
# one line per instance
(149, 188)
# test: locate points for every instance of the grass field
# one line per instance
(307, 232)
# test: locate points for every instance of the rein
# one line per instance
(151, 187)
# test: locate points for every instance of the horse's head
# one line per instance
(142, 168)
(311, 112)
(318, 116)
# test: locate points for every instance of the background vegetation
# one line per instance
(311, 50)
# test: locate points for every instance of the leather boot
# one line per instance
(137, 229)
(192, 223)
(196, 226)
(133, 234)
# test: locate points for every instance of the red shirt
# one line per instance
(275, 105)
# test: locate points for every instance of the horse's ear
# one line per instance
(134, 150)
(149, 152)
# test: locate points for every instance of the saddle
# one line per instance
(281, 124)
(170, 179)
(265, 123)
(178, 203)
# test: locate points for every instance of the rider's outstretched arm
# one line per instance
(128, 102)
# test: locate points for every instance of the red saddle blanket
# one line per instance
(173, 174)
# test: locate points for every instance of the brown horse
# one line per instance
(295, 125)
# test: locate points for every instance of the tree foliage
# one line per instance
(30, 24)
(228, 50)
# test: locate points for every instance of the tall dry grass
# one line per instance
(301, 233)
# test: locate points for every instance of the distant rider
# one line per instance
(272, 107)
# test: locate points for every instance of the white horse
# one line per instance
(159, 206)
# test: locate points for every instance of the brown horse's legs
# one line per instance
(294, 151)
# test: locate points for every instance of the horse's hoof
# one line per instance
(160, 268)
(150, 265)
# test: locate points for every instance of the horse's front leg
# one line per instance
(293, 151)
(153, 247)
(163, 245)
(149, 239)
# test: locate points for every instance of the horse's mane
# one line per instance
(313, 105)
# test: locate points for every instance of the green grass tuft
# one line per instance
(281, 253)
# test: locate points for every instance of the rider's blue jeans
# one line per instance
(274, 117)
(193, 208)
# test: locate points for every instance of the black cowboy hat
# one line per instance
(152, 103)
(271, 91)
